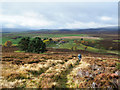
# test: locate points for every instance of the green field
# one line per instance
(82, 47)
(8, 36)
(68, 45)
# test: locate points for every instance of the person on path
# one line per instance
(79, 57)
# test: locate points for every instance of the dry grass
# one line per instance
(62, 71)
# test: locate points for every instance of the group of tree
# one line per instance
(36, 45)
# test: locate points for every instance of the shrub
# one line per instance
(46, 41)
(8, 43)
(93, 42)
(82, 42)
(110, 48)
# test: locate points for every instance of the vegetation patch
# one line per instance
(118, 66)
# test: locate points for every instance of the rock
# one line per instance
(93, 85)
(117, 73)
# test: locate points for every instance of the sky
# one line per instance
(58, 15)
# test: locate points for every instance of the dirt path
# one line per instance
(69, 83)
(66, 80)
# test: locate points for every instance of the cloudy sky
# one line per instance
(58, 15)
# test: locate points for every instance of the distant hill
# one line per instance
(88, 30)
(8, 30)
(107, 30)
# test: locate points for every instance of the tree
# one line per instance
(43, 48)
(24, 43)
(72, 48)
(8, 43)
(85, 48)
(36, 45)
(75, 47)
(81, 38)
(44, 39)
(50, 39)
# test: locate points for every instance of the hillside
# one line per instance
(59, 69)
